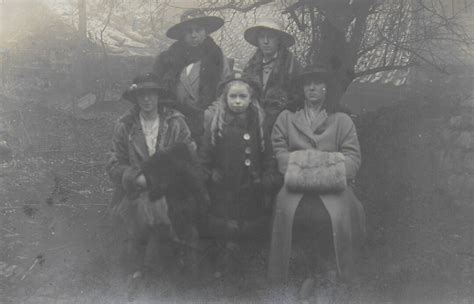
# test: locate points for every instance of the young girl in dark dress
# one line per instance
(237, 162)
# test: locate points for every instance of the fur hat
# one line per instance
(194, 16)
(144, 82)
(247, 78)
(251, 34)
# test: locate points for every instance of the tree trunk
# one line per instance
(82, 27)
(335, 54)
(81, 50)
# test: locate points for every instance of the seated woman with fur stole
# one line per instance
(150, 128)
(317, 150)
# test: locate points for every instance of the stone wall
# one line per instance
(456, 171)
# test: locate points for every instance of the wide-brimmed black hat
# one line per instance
(251, 33)
(194, 16)
(244, 77)
(317, 72)
(144, 82)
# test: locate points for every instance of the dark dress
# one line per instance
(238, 156)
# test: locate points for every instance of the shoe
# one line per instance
(307, 289)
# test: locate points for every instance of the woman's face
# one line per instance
(314, 91)
(194, 35)
(238, 97)
(147, 101)
(268, 42)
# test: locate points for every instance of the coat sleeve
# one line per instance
(280, 141)
(120, 171)
(226, 69)
(205, 150)
(180, 133)
(349, 146)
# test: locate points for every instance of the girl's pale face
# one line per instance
(238, 97)
(147, 101)
(315, 92)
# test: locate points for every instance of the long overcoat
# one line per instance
(128, 151)
(336, 134)
(276, 92)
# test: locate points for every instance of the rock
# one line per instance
(469, 103)
(6, 153)
(465, 140)
(463, 121)
(452, 160)
(448, 135)
(469, 162)
(467, 188)
(454, 184)
(455, 122)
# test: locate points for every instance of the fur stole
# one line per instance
(280, 78)
(171, 62)
(316, 171)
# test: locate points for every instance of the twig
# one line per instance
(36, 261)
(5, 229)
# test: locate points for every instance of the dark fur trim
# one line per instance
(170, 63)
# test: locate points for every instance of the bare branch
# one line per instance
(383, 69)
(239, 7)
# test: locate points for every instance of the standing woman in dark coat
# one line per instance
(193, 66)
(273, 65)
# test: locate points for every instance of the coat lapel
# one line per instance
(194, 73)
(300, 124)
(137, 139)
(185, 81)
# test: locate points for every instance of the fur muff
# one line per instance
(316, 171)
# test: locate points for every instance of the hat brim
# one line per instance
(209, 23)
(251, 33)
(318, 75)
(163, 93)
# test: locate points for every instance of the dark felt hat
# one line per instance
(317, 72)
(244, 77)
(194, 16)
(145, 82)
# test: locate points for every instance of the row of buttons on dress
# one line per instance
(248, 150)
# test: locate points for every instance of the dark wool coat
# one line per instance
(278, 88)
(240, 195)
(129, 151)
(336, 134)
(194, 92)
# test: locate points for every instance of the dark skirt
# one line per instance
(312, 232)
(245, 206)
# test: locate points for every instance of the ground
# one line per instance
(57, 243)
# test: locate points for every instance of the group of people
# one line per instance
(276, 155)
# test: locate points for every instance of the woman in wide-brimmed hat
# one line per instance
(317, 150)
(150, 127)
(273, 64)
(193, 66)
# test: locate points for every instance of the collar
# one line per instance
(271, 60)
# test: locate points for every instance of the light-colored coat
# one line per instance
(336, 134)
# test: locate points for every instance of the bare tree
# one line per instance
(357, 38)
